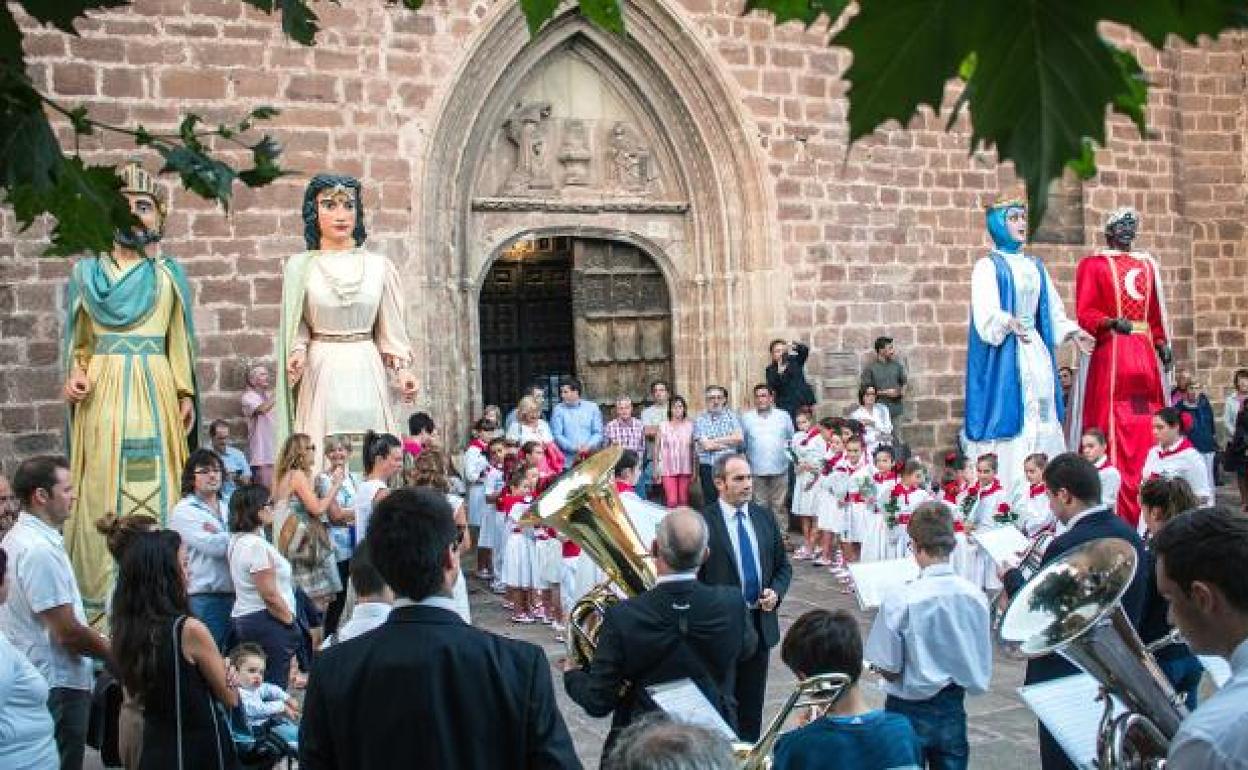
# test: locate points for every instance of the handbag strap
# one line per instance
(177, 680)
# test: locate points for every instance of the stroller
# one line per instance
(264, 746)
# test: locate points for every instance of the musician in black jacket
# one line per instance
(679, 629)
(747, 553)
(1074, 490)
(425, 687)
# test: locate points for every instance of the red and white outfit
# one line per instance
(1037, 513)
(875, 545)
(1122, 385)
(829, 517)
(520, 553)
(855, 490)
(908, 498)
(1111, 483)
(476, 463)
(810, 449)
(1179, 460)
(990, 502)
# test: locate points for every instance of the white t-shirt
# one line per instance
(40, 578)
(26, 728)
(251, 553)
(364, 506)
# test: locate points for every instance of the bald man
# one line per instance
(679, 629)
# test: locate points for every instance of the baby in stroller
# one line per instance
(271, 714)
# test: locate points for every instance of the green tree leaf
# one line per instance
(29, 152)
(604, 13)
(205, 176)
(805, 11)
(927, 42)
(86, 203)
(1188, 19)
(62, 14)
(537, 13)
(299, 22)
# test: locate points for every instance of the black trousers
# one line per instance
(706, 475)
(752, 689)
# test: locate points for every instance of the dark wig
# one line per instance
(312, 233)
(149, 596)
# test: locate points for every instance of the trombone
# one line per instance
(817, 693)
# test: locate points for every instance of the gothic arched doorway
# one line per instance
(595, 308)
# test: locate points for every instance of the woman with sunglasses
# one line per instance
(264, 603)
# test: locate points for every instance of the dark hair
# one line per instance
(720, 467)
(854, 439)
(628, 461)
(854, 426)
(1097, 434)
(377, 445)
(931, 528)
(247, 650)
(37, 473)
(823, 642)
(527, 447)
(1170, 416)
(4, 562)
(149, 595)
(1064, 368)
(764, 386)
(570, 382)
(913, 465)
(483, 424)
(656, 383)
(1074, 474)
(364, 575)
(1210, 545)
(496, 440)
(518, 475)
(212, 427)
(862, 393)
(420, 422)
(1171, 496)
(882, 342)
(200, 458)
(1038, 459)
(408, 539)
(831, 423)
(990, 459)
(311, 232)
(1239, 374)
(671, 402)
(885, 450)
(119, 531)
(245, 506)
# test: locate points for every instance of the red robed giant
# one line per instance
(1124, 385)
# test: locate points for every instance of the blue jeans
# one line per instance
(213, 610)
(1184, 673)
(279, 642)
(644, 481)
(940, 722)
(71, 711)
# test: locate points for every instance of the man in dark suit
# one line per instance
(421, 689)
(747, 552)
(679, 629)
(1074, 490)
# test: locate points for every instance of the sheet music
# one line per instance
(875, 579)
(1219, 669)
(683, 700)
(1069, 708)
(1002, 543)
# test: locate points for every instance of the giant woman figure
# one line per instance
(342, 324)
(129, 357)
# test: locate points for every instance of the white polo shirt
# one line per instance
(40, 578)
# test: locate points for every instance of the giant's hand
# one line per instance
(187, 408)
(77, 387)
(1016, 327)
(294, 366)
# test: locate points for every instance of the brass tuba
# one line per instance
(817, 693)
(1074, 606)
(583, 505)
(1028, 566)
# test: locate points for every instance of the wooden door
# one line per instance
(623, 320)
(526, 320)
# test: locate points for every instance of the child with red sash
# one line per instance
(828, 516)
(1037, 514)
(809, 450)
(1173, 456)
(520, 551)
(904, 497)
(854, 489)
(883, 479)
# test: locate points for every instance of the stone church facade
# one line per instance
(655, 205)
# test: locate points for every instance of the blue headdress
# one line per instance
(996, 216)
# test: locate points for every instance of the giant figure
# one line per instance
(129, 357)
(342, 324)
(1118, 299)
(1013, 401)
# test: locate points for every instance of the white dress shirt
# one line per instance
(730, 521)
(934, 632)
(364, 618)
(1215, 735)
(207, 539)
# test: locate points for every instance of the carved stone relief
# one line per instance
(574, 154)
(630, 166)
(526, 129)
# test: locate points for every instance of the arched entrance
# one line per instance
(596, 308)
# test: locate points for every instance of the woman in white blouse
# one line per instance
(26, 729)
(264, 592)
(529, 425)
(877, 424)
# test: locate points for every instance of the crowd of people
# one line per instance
(276, 557)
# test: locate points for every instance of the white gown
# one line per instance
(1042, 431)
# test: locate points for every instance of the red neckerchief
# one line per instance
(995, 486)
(1036, 490)
(479, 444)
(880, 478)
(1183, 444)
(951, 490)
(830, 464)
(904, 492)
(623, 486)
(810, 434)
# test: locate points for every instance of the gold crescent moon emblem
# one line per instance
(1131, 284)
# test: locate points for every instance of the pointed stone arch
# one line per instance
(710, 227)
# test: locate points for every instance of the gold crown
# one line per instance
(1010, 199)
(338, 191)
(136, 179)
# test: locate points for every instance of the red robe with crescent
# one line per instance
(1124, 385)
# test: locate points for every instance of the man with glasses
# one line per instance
(200, 518)
(402, 694)
(716, 433)
(44, 617)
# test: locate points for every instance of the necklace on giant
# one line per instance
(336, 267)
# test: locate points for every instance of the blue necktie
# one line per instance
(749, 571)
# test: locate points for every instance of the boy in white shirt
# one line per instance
(263, 703)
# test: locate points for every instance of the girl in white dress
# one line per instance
(1175, 457)
(853, 480)
(808, 449)
(519, 553)
(475, 462)
(900, 504)
(493, 533)
(994, 507)
(828, 516)
(875, 534)
(1037, 515)
(1094, 447)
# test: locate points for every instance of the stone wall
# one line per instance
(841, 247)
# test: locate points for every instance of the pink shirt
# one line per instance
(260, 429)
(676, 448)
